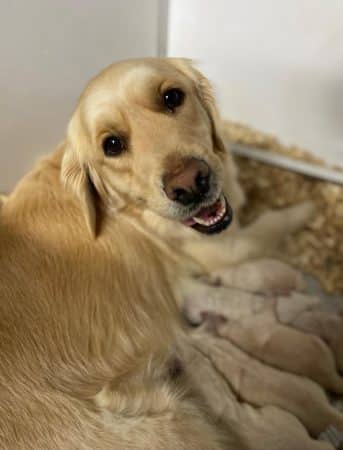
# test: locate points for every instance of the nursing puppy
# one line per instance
(91, 243)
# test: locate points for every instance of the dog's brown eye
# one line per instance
(173, 98)
(113, 145)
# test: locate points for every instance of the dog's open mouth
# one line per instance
(212, 219)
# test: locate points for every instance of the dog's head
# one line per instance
(146, 133)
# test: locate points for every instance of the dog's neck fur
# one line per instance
(42, 227)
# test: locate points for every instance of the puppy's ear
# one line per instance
(206, 96)
(76, 177)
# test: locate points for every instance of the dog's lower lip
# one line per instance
(213, 218)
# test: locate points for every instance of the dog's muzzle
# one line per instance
(213, 218)
(190, 183)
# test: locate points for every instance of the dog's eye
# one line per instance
(173, 98)
(113, 145)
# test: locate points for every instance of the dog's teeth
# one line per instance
(213, 220)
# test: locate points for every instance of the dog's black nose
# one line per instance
(187, 197)
(189, 183)
(202, 183)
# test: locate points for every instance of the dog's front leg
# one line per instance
(273, 226)
(257, 240)
(225, 250)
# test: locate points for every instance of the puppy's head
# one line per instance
(146, 133)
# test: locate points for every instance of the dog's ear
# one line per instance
(79, 175)
(206, 96)
(76, 177)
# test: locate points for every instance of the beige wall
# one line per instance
(277, 65)
(49, 49)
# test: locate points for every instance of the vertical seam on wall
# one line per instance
(162, 27)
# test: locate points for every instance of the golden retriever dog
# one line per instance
(92, 241)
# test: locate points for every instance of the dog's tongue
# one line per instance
(209, 211)
(204, 214)
(189, 222)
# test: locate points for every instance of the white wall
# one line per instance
(277, 65)
(49, 49)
